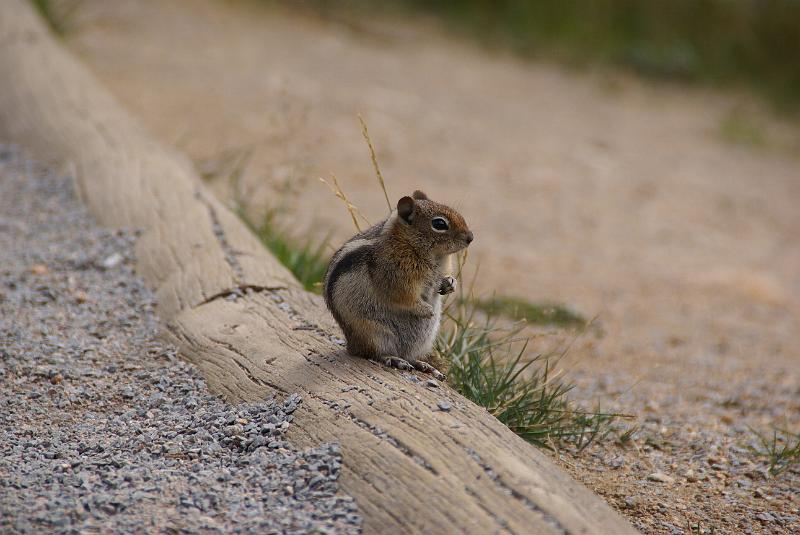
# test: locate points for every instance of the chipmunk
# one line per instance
(384, 285)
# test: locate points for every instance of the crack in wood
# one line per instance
(304, 324)
(327, 372)
(495, 477)
(500, 522)
(258, 381)
(376, 431)
(242, 290)
(177, 332)
(239, 291)
(262, 382)
(219, 232)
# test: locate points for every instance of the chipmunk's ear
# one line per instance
(405, 208)
(419, 195)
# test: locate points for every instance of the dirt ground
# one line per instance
(619, 198)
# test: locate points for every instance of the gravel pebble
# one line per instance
(661, 477)
(103, 427)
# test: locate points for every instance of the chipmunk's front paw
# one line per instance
(447, 286)
(395, 362)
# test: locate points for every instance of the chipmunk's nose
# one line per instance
(469, 237)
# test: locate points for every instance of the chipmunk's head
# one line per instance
(433, 225)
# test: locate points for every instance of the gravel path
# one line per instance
(103, 428)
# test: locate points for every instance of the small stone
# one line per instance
(39, 269)
(616, 462)
(444, 406)
(56, 379)
(765, 517)
(112, 261)
(234, 430)
(690, 475)
(81, 297)
(660, 477)
(432, 383)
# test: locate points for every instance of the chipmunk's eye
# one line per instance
(439, 224)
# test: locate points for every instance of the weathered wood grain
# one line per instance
(238, 315)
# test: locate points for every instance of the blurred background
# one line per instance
(719, 42)
(629, 161)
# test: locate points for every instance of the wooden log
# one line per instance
(242, 319)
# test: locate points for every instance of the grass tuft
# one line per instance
(533, 313)
(306, 258)
(308, 261)
(627, 436)
(781, 449)
(488, 364)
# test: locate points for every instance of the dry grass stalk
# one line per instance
(374, 158)
(351, 208)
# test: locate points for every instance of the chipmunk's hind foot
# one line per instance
(403, 364)
(394, 362)
(427, 368)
